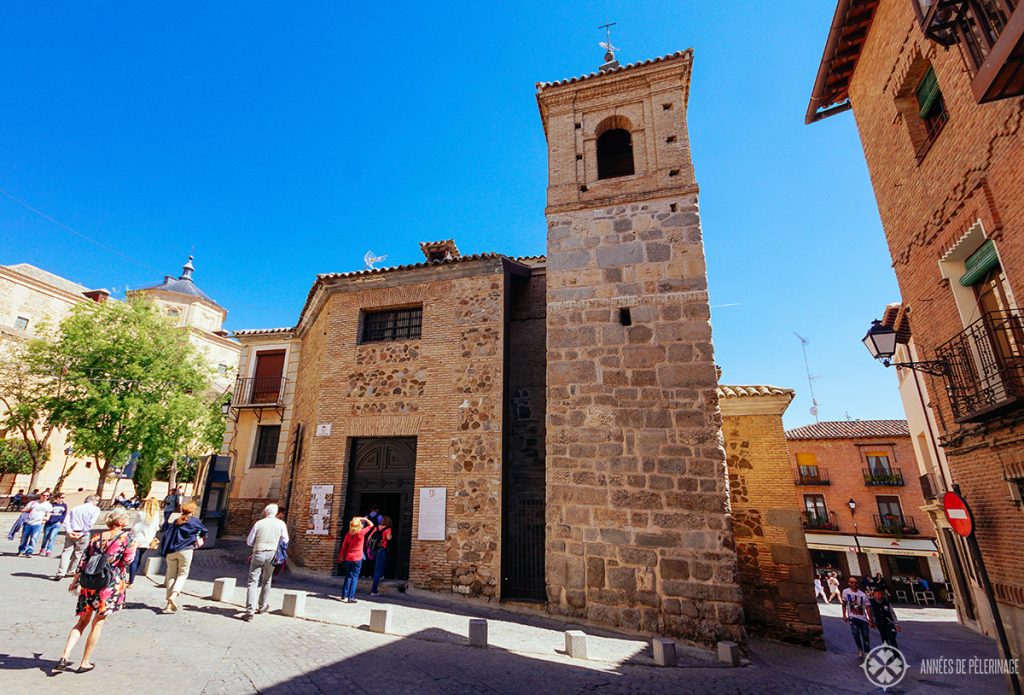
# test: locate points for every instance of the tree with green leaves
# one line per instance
(24, 393)
(132, 382)
(19, 457)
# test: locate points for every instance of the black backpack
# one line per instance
(97, 573)
(376, 539)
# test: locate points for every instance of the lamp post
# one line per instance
(880, 341)
(853, 511)
(60, 481)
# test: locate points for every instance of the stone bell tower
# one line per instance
(638, 528)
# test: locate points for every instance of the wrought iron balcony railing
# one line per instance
(821, 521)
(990, 34)
(985, 362)
(893, 525)
(258, 391)
(818, 477)
(878, 477)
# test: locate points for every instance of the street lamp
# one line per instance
(853, 512)
(853, 506)
(880, 340)
(225, 408)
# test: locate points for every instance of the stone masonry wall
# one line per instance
(775, 569)
(444, 388)
(639, 534)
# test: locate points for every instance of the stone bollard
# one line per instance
(294, 604)
(223, 588)
(729, 653)
(664, 651)
(153, 566)
(477, 632)
(576, 644)
(380, 620)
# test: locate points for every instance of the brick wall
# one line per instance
(775, 570)
(966, 188)
(444, 388)
(844, 461)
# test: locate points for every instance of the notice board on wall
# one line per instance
(432, 513)
(320, 499)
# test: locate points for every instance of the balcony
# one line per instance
(821, 521)
(818, 477)
(986, 366)
(893, 525)
(258, 392)
(883, 477)
(990, 34)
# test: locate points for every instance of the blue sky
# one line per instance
(281, 140)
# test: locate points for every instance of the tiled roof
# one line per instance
(752, 391)
(851, 429)
(323, 277)
(671, 56)
(410, 266)
(896, 316)
(48, 278)
(261, 331)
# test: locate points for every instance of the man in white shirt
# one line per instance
(38, 512)
(857, 612)
(265, 536)
(77, 531)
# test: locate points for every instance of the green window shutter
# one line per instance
(979, 263)
(927, 93)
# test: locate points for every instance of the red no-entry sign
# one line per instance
(957, 513)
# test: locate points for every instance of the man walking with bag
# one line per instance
(265, 537)
(77, 529)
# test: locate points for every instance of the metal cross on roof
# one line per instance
(607, 43)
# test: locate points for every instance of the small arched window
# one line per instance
(614, 153)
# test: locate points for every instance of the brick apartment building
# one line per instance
(539, 428)
(871, 463)
(935, 88)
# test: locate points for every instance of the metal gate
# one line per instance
(523, 550)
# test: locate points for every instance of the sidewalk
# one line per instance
(207, 648)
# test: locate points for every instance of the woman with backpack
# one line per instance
(181, 537)
(100, 581)
(380, 539)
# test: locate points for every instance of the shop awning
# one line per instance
(899, 546)
(831, 541)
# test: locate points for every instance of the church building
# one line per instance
(540, 429)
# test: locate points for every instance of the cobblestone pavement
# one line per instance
(206, 648)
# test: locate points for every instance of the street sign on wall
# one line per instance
(957, 514)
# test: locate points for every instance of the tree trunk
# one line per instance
(35, 476)
(103, 471)
(172, 474)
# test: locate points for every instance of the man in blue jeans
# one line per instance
(52, 526)
(857, 612)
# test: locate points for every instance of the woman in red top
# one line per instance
(351, 555)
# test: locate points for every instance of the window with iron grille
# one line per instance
(267, 437)
(392, 324)
(931, 106)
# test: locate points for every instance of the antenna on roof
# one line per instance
(810, 379)
(369, 259)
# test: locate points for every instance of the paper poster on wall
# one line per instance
(432, 511)
(320, 500)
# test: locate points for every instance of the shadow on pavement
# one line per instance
(24, 663)
(33, 575)
(422, 673)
